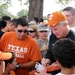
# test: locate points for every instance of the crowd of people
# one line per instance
(51, 43)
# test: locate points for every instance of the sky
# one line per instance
(16, 7)
(49, 7)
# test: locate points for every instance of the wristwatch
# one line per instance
(17, 65)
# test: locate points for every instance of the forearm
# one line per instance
(27, 65)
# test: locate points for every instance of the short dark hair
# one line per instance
(41, 20)
(71, 9)
(64, 52)
(36, 19)
(5, 18)
(2, 24)
(21, 21)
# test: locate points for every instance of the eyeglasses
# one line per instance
(43, 31)
(22, 31)
(31, 31)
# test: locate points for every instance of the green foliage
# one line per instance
(7, 2)
(3, 9)
(4, 5)
(45, 18)
(23, 12)
(63, 2)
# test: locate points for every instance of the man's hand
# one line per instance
(9, 67)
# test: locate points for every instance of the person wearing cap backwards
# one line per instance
(60, 29)
(8, 69)
(6, 57)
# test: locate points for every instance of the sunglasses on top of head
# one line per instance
(22, 31)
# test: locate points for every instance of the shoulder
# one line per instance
(71, 35)
(8, 35)
(72, 32)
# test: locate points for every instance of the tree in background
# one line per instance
(35, 9)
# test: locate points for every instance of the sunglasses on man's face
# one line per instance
(22, 31)
(31, 31)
